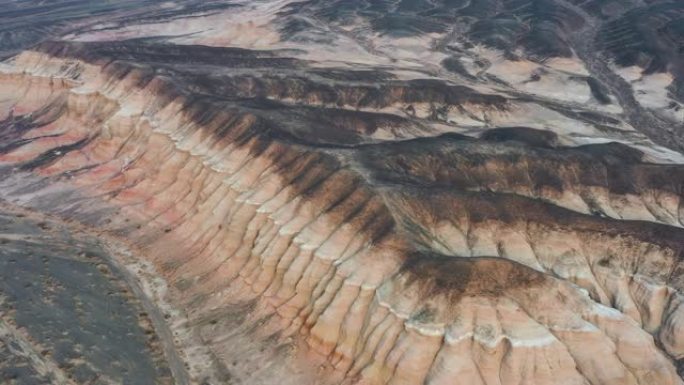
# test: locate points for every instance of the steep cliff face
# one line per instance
(480, 259)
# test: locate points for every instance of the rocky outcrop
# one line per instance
(348, 259)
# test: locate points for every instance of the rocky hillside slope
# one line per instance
(372, 192)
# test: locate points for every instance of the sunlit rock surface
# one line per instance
(367, 192)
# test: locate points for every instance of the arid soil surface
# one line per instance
(67, 315)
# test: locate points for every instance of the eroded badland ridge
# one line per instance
(367, 192)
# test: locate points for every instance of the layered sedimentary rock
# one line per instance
(362, 222)
(424, 260)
